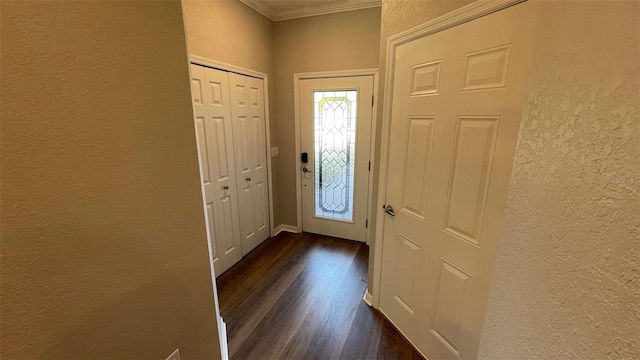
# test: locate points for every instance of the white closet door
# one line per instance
(210, 92)
(248, 111)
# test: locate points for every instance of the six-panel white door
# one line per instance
(458, 97)
(211, 100)
(250, 148)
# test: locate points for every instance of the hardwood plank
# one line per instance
(364, 334)
(331, 334)
(297, 313)
(259, 306)
(299, 296)
(249, 299)
(393, 345)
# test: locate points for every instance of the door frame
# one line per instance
(298, 164)
(199, 60)
(454, 18)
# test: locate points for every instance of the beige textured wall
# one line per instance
(104, 251)
(398, 16)
(342, 41)
(231, 32)
(566, 281)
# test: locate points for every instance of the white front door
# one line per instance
(250, 147)
(210, 94)
(335, 130)
(457, 100)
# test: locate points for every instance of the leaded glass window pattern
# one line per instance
(335, 153)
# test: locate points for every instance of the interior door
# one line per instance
(210, 94)
(249, 139)
(335, 131)
(458, 97)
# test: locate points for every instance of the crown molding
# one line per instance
(261, 8)
(321, 9)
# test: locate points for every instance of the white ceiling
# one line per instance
(278, 10)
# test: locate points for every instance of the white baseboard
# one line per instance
(282, 227)
(367, 297)
(224, 347)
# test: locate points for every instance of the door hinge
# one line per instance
(366, 223)
(372, 97)
(369, 165)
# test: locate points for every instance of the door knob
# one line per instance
(389, 210)
(225, 188)
(248, 179)
(305, 170)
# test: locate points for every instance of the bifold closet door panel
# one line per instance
(211, 99)
(248, 114)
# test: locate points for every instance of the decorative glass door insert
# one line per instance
(335, 153)
(335, 133)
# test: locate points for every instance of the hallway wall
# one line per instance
(566, 280)
(341, 41)
(104, 250)
(233, 33)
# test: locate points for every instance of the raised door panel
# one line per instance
(407, 260)
(417, 166)
(226, 218)
(398, 300)
(202, 149)
(486, 69)
(216, 128)
(452, 299)
(262, 198)
(246, 142)
(425, 79)
(258, 143)
(215, 248)
(248, 217)
(469, 179)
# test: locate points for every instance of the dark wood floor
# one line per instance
(299, 296)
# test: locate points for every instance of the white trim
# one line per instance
(267, 131)
(174, 355)
(296, 109)
(334, 74)
(199, 60)
(464, 14)
(367, 297)
(312, 10)
(287, 228)
(224, 347)
(296, 95)
(221, 339)
(371, 207)
(324, 9)
(260, 7)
